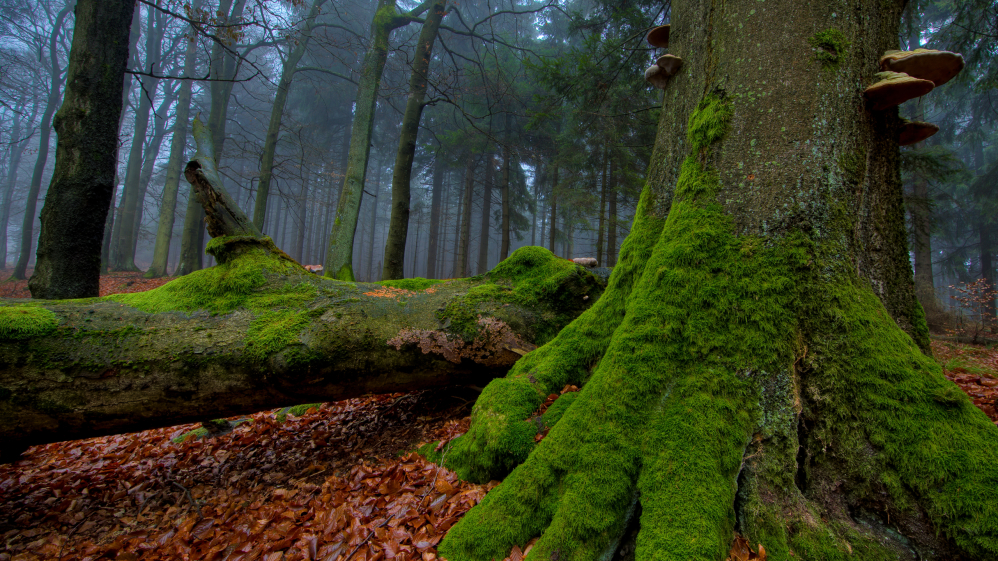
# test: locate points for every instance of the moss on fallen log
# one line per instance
(258, 331)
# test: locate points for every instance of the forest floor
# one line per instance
(110, 283)
(339, 482)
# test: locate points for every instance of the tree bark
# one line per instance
(171, 185)
(504, 226)
(17, 147)
(123, 252)
(31, 202)
(277, 112)
(436, 211)
(554, 205)
(398, 225)
(485, 230)
(602, 207)
(747, 369)
(339, 255)
(69, 244)
(611, 238)
(463, 268)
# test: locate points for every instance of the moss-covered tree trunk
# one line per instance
(748, 368)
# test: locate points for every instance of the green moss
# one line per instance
(829, 46)
(296, 410)
(529, 276)
(25, 322)
(274, 330)
(666, 400)
(239, 283)
(417, 283)
(557, 409)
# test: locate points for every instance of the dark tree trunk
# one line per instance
(748, 369)
(486, 231)
(611, 238)
(398, 226)
(602, 207)
(465, 234)
(436, 202)
(554, 207)
(69, 244)
(504, 227)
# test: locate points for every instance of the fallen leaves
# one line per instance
(974, 368)
(742, 551)
(110, 283)
(323, 486)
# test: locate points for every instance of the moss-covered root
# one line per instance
(499, 438)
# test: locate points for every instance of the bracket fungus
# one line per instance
(915, 131)
(659, 37)
(895, 88)
(926, 64)
(664, 68)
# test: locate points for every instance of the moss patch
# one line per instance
(274, 330)
(238, 283)
(25, 322)
(829, 46)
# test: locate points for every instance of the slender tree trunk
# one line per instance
(602, 207)
(611, 238)
(300, 223)
(504, 227)
(55, 94)
(123, 252)
(554, 208)
(465, 234)
(277, 111)
(398, 226)
(339, 256)
(485, 231)
(224, 66)
(533, 209)
(76, 205)
(436, 204)
(171, 186)
(17, 148)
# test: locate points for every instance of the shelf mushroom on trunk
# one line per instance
(664, 68)
(895, 88)
(938, 67)
(913, 132)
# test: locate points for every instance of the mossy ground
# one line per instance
(727, 344)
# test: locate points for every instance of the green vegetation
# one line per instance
(237, 283)
(417, 283)
(829, 47)
(25, 322)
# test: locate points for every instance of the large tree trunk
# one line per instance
(740, 373)
(69, 244)
(464, 237)
(398, 225)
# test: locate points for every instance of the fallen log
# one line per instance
(259, 331)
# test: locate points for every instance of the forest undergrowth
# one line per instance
(337, 482)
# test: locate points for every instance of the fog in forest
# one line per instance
(536, 129)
